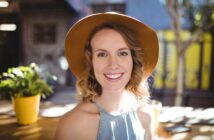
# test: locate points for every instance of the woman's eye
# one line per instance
(102, 54)
(123, 53)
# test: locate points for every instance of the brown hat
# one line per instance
(78, 34)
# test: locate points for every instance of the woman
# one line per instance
(111, 56)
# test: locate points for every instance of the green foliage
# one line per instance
(199, 14)
(24, 81)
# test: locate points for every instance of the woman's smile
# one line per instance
(113, 76)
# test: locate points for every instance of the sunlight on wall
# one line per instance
(159, 68)
(192, 65)
(192, 60)
(206, 65)
(171, 66)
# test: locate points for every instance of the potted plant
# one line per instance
(25, 86)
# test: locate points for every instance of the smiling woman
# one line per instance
(111, 56)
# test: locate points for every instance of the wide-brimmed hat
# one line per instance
(78, 35)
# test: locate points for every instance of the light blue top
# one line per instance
(125, 126)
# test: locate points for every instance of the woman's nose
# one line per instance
(113, 62)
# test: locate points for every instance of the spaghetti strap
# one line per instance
(100, 109)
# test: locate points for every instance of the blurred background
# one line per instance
(34, 31)
(182, 84)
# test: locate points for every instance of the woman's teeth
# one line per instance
(113, 76)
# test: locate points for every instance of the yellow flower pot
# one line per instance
(26, 109)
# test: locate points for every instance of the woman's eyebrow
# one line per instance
(98, 50)
(125, 48)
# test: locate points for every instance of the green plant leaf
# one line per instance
(23, 81)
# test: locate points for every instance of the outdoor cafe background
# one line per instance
(37, 40)
(34, 39)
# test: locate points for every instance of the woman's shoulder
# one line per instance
(144, 109)
(81, 113)
(79, 121)
(83, 109)
(145, 114)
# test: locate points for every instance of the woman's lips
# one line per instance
(113, 76)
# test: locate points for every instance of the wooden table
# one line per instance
(45, 128)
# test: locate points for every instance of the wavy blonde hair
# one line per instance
(88, 87)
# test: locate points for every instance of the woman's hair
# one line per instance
(88, 87)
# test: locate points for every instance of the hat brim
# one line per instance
(77, 37)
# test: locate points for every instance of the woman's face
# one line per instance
(111, 59)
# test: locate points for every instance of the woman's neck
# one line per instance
(116, 102)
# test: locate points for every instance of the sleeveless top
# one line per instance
(125, 126)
